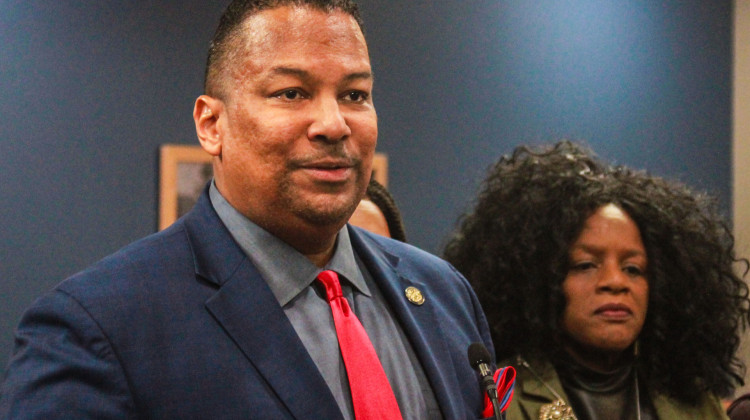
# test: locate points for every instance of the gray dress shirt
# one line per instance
(291, 277)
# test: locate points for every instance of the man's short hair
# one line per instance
(224, 39)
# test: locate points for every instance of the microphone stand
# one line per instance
(491, 389)
(479, 358)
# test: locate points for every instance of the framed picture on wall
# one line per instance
(185, 169)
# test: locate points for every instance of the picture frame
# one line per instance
(184, 171)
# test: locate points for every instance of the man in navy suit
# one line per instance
(219, 316)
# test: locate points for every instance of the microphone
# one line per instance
(480, 358)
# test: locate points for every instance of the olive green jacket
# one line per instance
(530, 395)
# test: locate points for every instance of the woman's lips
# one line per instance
(615, 311)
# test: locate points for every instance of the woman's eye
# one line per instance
(582, 266)
(633, 270)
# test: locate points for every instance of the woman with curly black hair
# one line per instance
(612, 292)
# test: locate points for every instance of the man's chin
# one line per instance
(327, 213)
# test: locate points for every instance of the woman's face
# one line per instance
(606, 289)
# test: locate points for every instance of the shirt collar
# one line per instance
(285, 269)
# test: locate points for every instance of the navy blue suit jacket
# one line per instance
(181, 325)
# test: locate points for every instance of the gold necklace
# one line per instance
(559, 409)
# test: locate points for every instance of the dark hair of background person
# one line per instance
(379, 195)
(236, 13)
(513, 248)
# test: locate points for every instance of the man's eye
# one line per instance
(356, 96)
(289, 94)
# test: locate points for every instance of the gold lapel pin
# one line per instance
(414, 295)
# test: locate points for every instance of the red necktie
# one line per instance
(372, 395)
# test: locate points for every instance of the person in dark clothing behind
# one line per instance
(378, 213)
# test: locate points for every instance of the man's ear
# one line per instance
(206, 115)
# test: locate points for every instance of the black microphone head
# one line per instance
(478, 354)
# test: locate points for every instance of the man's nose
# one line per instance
(329, 123)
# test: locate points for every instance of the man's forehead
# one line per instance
(302, 74)
(288, 41)
(286, 23)
(290, 38)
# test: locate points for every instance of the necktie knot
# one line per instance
(330, 281)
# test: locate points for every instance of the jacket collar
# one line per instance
(536, 374)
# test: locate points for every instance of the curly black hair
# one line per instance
(513, 248)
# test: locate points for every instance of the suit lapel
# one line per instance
(420, 323)
(247, 310)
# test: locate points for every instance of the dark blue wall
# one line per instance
(89, 90)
